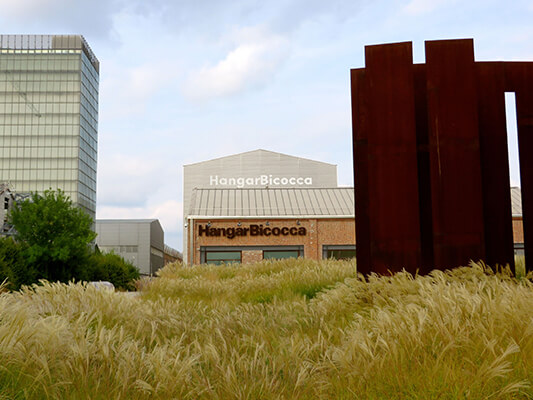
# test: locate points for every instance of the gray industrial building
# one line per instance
(140, 241)
(253, 169)
(49, 115)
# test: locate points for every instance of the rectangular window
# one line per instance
(338, 252)
(341, 254)
(280, 254)
(222, 257)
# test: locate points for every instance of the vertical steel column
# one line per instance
(392, 159)
(519, 77)
(360, 165)
(424, 183)
(494, 164)
(456, 192)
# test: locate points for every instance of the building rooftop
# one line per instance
(272, 202)
(516, 201)
(41, 44)
(257, 153)
(284, 202)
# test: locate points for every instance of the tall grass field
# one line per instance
(290, 329)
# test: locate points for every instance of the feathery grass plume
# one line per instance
(293, 329)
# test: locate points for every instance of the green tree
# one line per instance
(57, 235)
(13, 266)
(113, 268)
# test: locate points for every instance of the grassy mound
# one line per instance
(293, 329)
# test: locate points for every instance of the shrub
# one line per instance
(13, 266)
(113, 268)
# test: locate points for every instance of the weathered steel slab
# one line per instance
(456, 192)
(494, 163)
(424, 184)
(430, 158)
(360, 158)
(519, 78)
(392, 159)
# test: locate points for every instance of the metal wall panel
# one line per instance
(456, 192)
(519, 79)
(360, 127)
(494, 163)
(392, 159)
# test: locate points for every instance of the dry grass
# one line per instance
(293, 329)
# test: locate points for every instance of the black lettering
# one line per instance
(267, 232)
(293, 231)
(245, 231)
(230, 233)
(238, 232)
(302, 231)
(254, 230)
(276, 231)
(284, 231)
(202, 230)
(214, 232)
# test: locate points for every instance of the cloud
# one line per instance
(126, 180)
(132, 88)
(249, 65)
(92, 18)
(419, 7)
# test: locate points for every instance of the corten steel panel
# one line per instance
(424, 187)
(392, 159)
(519, 78)
(360, 157)
(457, 206)
(494, 163)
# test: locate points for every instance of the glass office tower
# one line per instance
(49, 115)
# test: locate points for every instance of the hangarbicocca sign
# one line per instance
(261, 180)
(252, 230)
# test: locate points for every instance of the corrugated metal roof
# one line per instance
(516, 201)
(272, 202)
(280, 202)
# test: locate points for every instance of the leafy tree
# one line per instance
(13, 266)
(113, 268)
(57, 235)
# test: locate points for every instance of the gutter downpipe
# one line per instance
(190, 245)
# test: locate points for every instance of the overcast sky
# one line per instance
(187, 81)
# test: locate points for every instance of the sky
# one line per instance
(187, 81)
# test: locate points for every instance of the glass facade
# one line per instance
(49, 116)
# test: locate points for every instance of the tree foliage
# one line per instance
(113, 268)
(56, 234)
(13, 266)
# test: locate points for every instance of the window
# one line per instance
(338, 252)
(280, 254)
(341, 254)
(222, 257)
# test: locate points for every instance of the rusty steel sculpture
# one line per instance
(430, 158)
